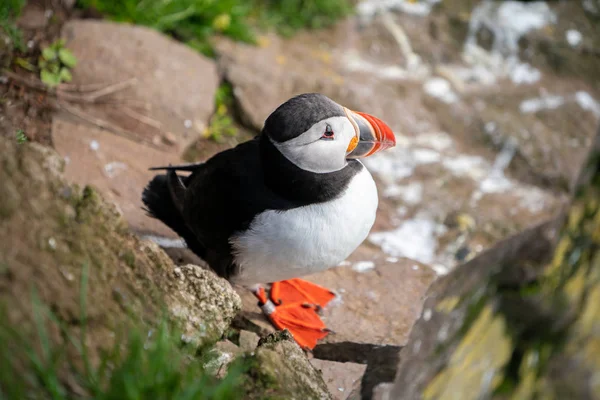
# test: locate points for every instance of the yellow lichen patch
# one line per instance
(589, 322)
(584, 343)
(448, 304)
(263, 41)
(576, 216)
(575, 287)
(564, 246)
(475, 364)
(528, 384)
(322, 55)
(596, 228)
(281, 59)
(338, 79)
(465, 222)
(592, 204)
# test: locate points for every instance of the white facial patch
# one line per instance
(311, 153)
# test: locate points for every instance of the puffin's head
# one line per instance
(319, 135)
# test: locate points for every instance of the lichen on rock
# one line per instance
(54, 236)
(519, 321)
(281, 370)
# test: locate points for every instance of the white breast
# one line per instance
(281, 245)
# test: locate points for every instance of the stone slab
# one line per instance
(117, 166)
(341, 378)
(173, 96)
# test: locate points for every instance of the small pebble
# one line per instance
(187, 123)
(427, 314)
(94, 145)
(169, 138)
(52, 243)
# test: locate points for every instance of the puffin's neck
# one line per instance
(295, 184)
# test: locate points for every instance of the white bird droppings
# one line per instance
(534, 105)
(524, 73)
(415, 239)
(113, 169)
(410, 194)
(573, 37)
(166, 242)
(440, 89)
(363, 266)
(427, 314)
(587, 102)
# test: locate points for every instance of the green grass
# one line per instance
(221, 123)
(9, 11)
(191, 21)
(288, 16)
(141, 364)
(196, 21)
(20, 136)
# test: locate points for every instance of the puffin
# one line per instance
(292, 201)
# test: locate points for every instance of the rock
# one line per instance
(33, 17)
(248, 340)
(359, 316)
(340, 378)
(176, 83)
(251, 317)
(6, 50)
(520, 320)
(281, 369)
(53, 235)
(221, 356)
(116, 166)
(381, 391)
(205, 304)
(228, 346)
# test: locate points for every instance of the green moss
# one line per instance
(288, 16)
(275, 337)
(222, 122)
(128, 257)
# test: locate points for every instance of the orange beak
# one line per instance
(372, 135)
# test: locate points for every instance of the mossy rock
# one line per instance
(520, 321)
(54, 236)
(281, 370)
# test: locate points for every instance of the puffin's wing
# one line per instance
(225, 194)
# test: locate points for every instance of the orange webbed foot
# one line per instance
(293, 305)
(300, 291)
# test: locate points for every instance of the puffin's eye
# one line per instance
(328, 134)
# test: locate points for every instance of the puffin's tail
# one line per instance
(159, 204)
